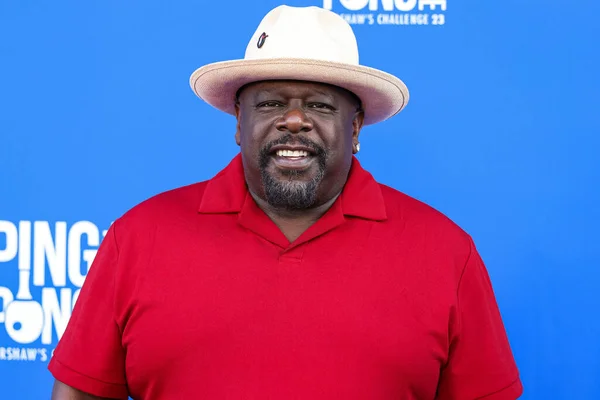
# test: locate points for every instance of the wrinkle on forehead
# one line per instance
(324, 89)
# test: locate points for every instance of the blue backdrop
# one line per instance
(502, 134)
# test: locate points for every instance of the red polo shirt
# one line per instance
(196, 294)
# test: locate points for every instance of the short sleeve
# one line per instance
(480, 364)
(89, 356)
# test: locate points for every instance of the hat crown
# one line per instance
(303, 32)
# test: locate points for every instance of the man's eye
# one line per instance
(321, 106)
(270, 104)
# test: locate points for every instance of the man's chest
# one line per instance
(260, 319)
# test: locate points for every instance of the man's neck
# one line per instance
(293, 223)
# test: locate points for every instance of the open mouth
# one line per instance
(292, 153)
(288, 157)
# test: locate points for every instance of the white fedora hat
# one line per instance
(306, 44)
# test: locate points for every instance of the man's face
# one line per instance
(296, 141)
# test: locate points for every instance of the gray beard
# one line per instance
(292, 194)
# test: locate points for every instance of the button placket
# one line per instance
(292, 255)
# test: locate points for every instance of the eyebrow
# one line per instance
(329, 96)
(267, 92)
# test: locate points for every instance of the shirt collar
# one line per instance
(361, 196)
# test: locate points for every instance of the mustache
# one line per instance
(265, 151)
(293, 138)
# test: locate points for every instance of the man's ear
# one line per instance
(237, 127)
(357, 124)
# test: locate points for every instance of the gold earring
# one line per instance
(357, 146)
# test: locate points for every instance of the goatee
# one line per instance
(293, 193)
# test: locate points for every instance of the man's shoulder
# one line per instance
(417, 215)
(171, 204)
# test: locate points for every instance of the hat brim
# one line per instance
(382, 95)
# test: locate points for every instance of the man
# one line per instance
(292, 274)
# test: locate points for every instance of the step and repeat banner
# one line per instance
(501, 134)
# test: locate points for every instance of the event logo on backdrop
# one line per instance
(390, 12)
(41, 272)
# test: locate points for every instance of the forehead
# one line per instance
(290, 88)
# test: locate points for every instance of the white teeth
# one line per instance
(292, 153)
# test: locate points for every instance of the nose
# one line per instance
(294, 121)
